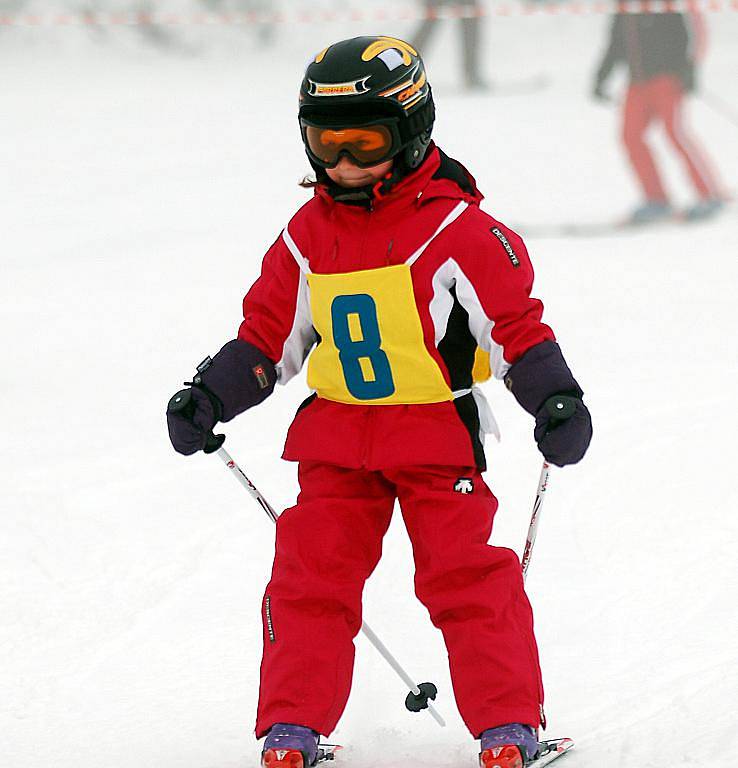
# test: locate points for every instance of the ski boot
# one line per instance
(290, 746)
(651, 212)
(705, 209)
(508, 746)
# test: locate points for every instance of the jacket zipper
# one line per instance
(365, 234)
(368, 435)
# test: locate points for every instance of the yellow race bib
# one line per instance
(371, 347)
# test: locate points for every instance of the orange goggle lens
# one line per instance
(368, 146)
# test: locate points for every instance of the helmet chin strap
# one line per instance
(384, 186)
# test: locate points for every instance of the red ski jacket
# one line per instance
(392, 301)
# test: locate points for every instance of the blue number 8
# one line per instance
(351, 351)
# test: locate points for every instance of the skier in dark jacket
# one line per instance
(659, 51)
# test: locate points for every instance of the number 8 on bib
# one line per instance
(366, 368)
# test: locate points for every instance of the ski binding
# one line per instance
(294, 758)
(510, 757)
(551, 750)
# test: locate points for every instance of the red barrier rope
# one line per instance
(507, 8)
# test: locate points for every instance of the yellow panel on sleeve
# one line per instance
(482, 369)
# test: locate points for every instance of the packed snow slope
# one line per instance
(140, 188)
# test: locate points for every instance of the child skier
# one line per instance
(393, 280)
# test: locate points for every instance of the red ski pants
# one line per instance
(661, 99)
(328, 545)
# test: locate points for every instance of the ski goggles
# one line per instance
(366, 145)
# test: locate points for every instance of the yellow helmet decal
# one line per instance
(385, 44)
(321, 55)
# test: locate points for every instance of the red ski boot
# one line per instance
(290, 746)
(283, 758)
(502, 757)
(294, 746)
(508, 746)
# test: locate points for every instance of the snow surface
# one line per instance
(140, 188)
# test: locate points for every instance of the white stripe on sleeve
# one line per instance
(480, 324)
(302, 337)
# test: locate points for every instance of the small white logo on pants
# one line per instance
(464, 485)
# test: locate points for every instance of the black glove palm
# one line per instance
(563, 438)
(190, 419)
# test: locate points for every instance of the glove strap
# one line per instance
(198, 383)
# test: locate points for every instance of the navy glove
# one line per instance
(542, 372)
(190, 419)
(238, 377)
(563, 438)
(598, 93)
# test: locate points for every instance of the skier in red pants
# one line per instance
(402, 292)
(660, 52)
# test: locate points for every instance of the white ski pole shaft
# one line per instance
(417, 692)
(718, 105)
(560, 408)
(392, 661)
(535, 518)
(239, 474)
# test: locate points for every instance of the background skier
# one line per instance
(470, 21)
(660, 51)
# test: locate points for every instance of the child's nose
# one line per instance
(345, 163)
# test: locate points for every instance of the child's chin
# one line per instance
(360, 181)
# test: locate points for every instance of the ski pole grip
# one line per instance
(182, 403)
(213, 442)
(560, 408)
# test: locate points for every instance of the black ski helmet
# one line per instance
(372, 78)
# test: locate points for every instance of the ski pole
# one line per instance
(419, 695)
(560, 408)
(533, 527)
(719, 105)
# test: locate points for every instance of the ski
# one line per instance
(551, 749)
(592, 229)
(520, 86)
(327, 752)
(294, 758)
(615, 226)
(508, 756)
